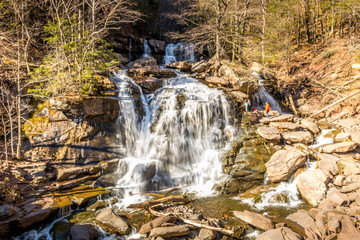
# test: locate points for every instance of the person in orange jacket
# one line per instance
(267, 109)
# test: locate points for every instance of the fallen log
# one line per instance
(196, 224)
(158, 201)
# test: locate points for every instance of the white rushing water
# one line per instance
(147, 49)
(263, 96)
(179, 52)
(176, 142)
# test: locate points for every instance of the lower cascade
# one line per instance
(177, 139)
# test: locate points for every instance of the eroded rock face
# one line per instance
(112, 223)
(269, 133)
(339, 147)
(312, 185)
(284, 163)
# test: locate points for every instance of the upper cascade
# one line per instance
(147, 50)
(263, 96)
(179, 52)
(178, 138)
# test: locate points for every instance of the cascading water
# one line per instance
(147, 50)
(178, 139)
(263, 96)
(179, 52)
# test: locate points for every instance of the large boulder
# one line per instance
(84, 232)
(246, 86)
(269, 133)
(283, 118)
(181, 65)
(168, 232)
(312, 185)
(143, 62)
(284, 163)
(217, 80)
(199, 67)
(310, 124)
(150, 85)
(299, 137)
(112, 223)
(300, 221)
(255, 219)
(158, 45)
(238, 96)
(339, 147)
(328, 164)
(279, 233)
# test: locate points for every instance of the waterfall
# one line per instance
(179, 52)
(147, 50)
(177, 140)
(263, 96)
(130, 41)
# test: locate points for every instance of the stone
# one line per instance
(112, 223)
(342, 137)
(167, 232)
(67, 173)
(277, 234)
(348, 123)
(61, 230)
(339, 147)
(84, 232)
(238, 96)
(143, 62)
(339, 180)
(338, 198)
(158, 45)
(59, 104)
(150, 85)
(299, 221)
(255, 219)
(206, 234)
(181, 65)
(357, 198)
(348, 230)
(7, 211)
(312, 185)
(157, 222)
(355, 66)
(328, 164)
(299, 137)
(246, 86)
(355, 136)
(269, 133)
(217, 81)
(284, 163)
(265, 121)
(283, 118)
(199, 67)
(108, 180)
(285, 125)
(310, 124)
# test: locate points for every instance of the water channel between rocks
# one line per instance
(174, 137)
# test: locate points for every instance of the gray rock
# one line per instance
(312, 185)
(310, 124)
(277, 234)
(283, 118)
(339, 147)
(84, 232)
(284, 163)
(255, 219)
(167, 232)
(299, 137)
(7, 211)
(112, 223)
(269, 133)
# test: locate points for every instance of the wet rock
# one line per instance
(61, 230)
(143, 62)
(158, 45)
(150, 85)
(168, 232)
(328, 164)
(342, 137)
(199, 67)
(181, 65)
(157, 222)
(310, 124)
(276, 234)
(75, 182)
(284, 163)
(299, 137)
(255, 219)
(7, 211)
(108, 180)
(339, 147)
(312, 185)
(283, 118)
(206, 234)
(300, 221)
(217, 81)
(285, 125)
(269, 133)
(112, 223)
(84, 232)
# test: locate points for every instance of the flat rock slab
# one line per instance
(285, 125)
(299, 137)
(255, 219)
(269, 133)
(157, 222)
(279, 233)
(328, 164)
(312, 185)
(342, 137)
(112, 223)
(168, 232)
(284, 163)
(310, 124)
(283, 118)
(339, 147)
